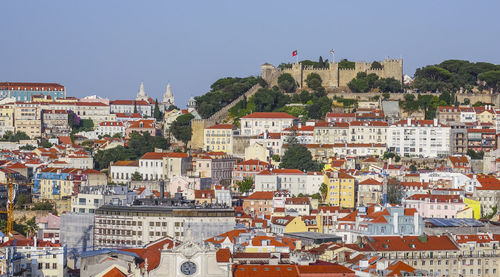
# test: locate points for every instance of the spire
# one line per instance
(141, 95)
(169, 91)
(168, 97)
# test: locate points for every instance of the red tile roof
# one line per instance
(223, 255)
(406, 243)
(270, 115)
(261, 195)
(161, 155)
(370, 181)
(130, 102)
(478, 238)
(325, 269)
(222, 126)
(31, 86)
(399, 268)
(241, 270)
(488, 183)
(152, 252)
(114, 272)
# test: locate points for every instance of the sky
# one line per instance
(108, 47)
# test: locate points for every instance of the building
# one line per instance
(141, 126)
(28, 257)
(55, 123)
(121, 171)
(488, 193)
(131, 106)
(28, 119)
(168, 99)
(369, 192)
(438, 255)
(25, 91)
(435, 205)
(340, 117)
(292, 180)
(259, 203)
(368, 132)
(248, 169)
(110, 128)
(48, 227)
(77, 232)
(419, 138)
(260, 122)
(481, 140)
(330, 133)
(57, 183)
(132, 226)
(220, 138)
(6, 119)
(341, 189)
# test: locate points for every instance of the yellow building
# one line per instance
(6, 119)
(48, 189)
(486, 116)
(341, 189)
(28, 119)
(475, 206)
(219, 138)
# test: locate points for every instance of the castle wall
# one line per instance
(198, 132)
(335, 77)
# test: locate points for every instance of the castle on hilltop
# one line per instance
(334, 77)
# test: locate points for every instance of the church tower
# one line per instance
(141, 95)
(168, 97)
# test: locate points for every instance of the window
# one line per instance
(54, 265)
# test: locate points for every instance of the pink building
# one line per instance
(249, 169)
(435, 206)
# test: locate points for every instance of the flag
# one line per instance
(294, 53)
(332, 51)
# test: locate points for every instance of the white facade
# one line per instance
(292, 180)
(111, 128)
(258, 123)
(368, 132)
(419, 138)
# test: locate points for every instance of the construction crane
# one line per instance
(10, 203)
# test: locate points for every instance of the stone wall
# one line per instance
(239, 145)
(28, 214)
(197, 128)
(334, 77)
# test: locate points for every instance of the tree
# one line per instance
(376, 65)
(313, 81)
(346, 64)
(467, 101)
(44, 206)
(27, 147)
(492, 79)
(181, 128)
(15, 137)
(386, 95)
(103, 158)
(45, 143)
(136, 176)
(298, 157)
(475, 155)
(286, 82)
(413, 168)
(157, 114)
(22, 200)
(246, 185)
(139, 144)
(135, 106)
(323, 189)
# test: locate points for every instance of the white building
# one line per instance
(368, 131)
(130, 106)
(110, 128)
(419, 138)
(258, 123)
(292, 180)
(122, 171)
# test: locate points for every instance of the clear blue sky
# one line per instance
(108, 47)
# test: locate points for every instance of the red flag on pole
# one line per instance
(294, 53)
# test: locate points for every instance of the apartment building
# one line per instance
(419, 138)
(28, 119)
(341, 189)
(248, 169)
(220, 138)
(110, 128)
(436, 205)
(131, 226)
(131, 106)
(55, 123)
(6, 119)
(368, 132)
(369, 192)
(260, 122)
(481, 140)
(292, 180)
(25, 91)
(330, 133)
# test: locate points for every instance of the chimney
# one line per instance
(35, 241)
(435, 122)
(415, 223)
(409, 121)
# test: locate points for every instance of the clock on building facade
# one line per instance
(188, 268)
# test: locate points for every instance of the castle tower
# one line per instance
(141, 95)
(168, 97)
